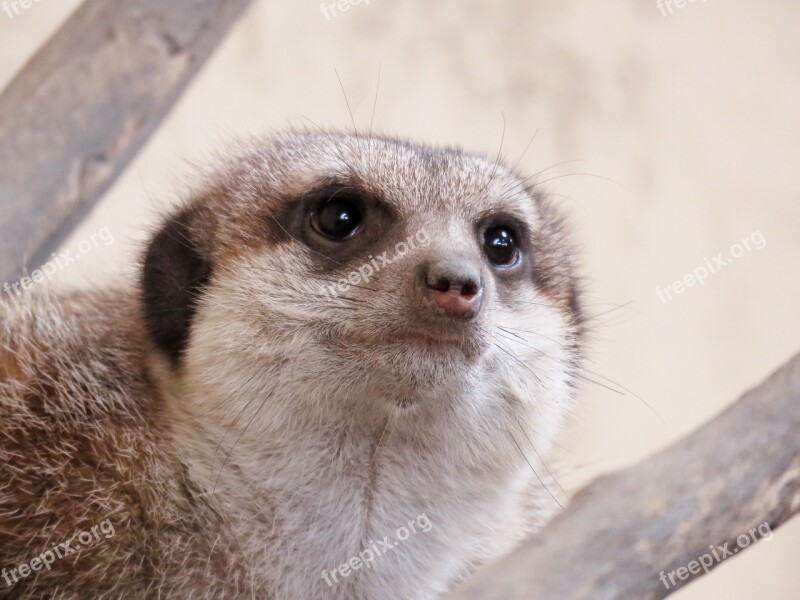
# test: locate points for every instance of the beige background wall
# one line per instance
(684, 134)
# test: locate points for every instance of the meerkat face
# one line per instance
(365, 272)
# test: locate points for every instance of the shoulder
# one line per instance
(78, 354)
(81, 445)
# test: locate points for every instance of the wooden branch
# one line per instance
(81, 109)
(617, 536)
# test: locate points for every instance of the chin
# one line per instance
(422, 368)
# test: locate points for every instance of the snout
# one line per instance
(452, 287)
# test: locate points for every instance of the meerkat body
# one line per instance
(336, 379)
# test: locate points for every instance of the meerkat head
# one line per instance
(334, 275)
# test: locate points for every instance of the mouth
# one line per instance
(437, 342)
(432, 341)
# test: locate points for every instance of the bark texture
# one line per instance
(84, 105)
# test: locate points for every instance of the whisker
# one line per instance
(583, 377)
(608, 179)
(547, 489)
(621, 306)
(541, 460)
(500, 327)
(512, 355)
(372, 118)
(525, 151)
(514, 187)
(235, 420)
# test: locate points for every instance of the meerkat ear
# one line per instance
(175, 271)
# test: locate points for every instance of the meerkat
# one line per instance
(338, 376)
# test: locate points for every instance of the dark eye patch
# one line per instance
(339, 222)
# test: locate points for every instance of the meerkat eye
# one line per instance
(338, 218)
(500, 246)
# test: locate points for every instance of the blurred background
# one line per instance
(669, 137)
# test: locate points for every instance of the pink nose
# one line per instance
(454, 287)
(455, 301)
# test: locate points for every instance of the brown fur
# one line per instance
(82, 442)
(95, 422)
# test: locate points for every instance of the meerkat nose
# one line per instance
(454, 287)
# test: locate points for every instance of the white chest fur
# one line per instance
(361, 512)
(348, 518)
